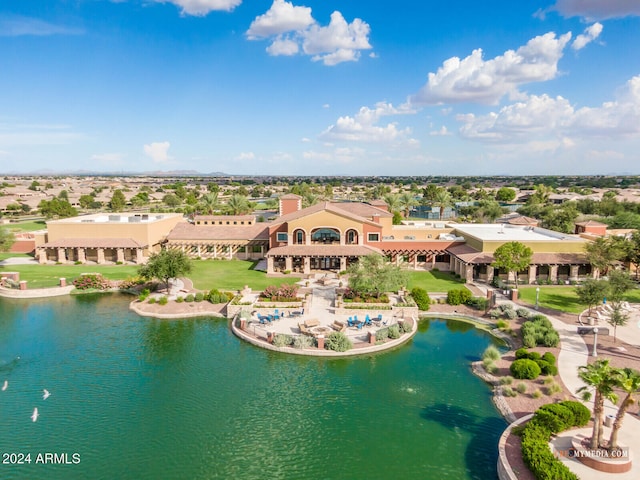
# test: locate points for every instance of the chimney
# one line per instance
(290, 203)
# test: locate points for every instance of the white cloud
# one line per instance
(283, 46)
(362, 127)
(200, 8)
(18, 25)
(590, 34)
(292, 29)
(280, 18)
(597, 9)
(158, 151)
(246, 156)
(473, 79)
(544, 116)
(338, 35)
(442, 132)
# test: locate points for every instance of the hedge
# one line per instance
(547, 420)
(421, 297)
(525, 369)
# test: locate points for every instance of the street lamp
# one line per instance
(537, 296)
(595, 342)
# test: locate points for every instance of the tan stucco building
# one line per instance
(106, 238)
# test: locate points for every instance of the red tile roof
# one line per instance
(187, 231)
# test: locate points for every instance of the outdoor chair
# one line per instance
(360, 325)
(350, 322)
(367, 320)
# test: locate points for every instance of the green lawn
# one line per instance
(42, 276)
(232, 275)
(5, 255)
(563, 298)
(27, 226)
(434, 281)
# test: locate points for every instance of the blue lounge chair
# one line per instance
(262, 319)
(360, 325)
(367, 320)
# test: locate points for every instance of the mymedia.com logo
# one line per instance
(616, 454)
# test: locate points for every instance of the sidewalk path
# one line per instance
(573, 354)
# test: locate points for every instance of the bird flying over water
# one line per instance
(34, 417)
(5, 385)
(46, 394)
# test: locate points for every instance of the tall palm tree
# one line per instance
(442, 200)
(602, 378)
(629, 382)
(393, 201)
(407, 200)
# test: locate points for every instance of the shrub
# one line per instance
(163, 300)
(216, 296)
(508, 380)
(529, 340)
(283, 293)
(546, 368)
(553, 388)
(522, 353)
(143, 295)
(382, 334)
(505, 307)
(495, 313)
(458, 296)
(521, 388)
(581, 414)
(549, 358)
(525, 369)
(510, 314)
(502, 325)
(421, 297)
(536, 452)
(491, 352)
(303, 341)
(179, 299)
(152, 300)
(338, 342)
(489, 366)
(509, 392)
(523, 312)
(406, 327)
(199, 297)
(479, 303)
(394, 331)
(91, 281)
(551, 339)
(189, 298)
(282, 340)
(536, 394)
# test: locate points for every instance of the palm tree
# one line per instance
(407, 200)
(602, 378)
(393, 201)
(442, 199)
(209, 203)
(238, 205)
(629, 382)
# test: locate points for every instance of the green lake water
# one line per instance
(138, 398)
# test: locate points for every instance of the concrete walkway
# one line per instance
(573, 354)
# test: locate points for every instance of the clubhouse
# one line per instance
(328, 236)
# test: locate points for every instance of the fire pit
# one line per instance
(320, 330)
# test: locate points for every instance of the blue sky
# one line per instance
(331, 87)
